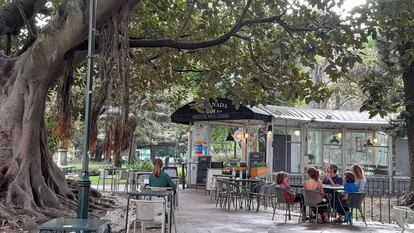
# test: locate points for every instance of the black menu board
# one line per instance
(256, 158)
(202, 167)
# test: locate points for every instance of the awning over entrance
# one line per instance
(222, 110)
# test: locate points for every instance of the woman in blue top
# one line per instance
(341, 205)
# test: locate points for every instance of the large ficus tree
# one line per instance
(30, 182)
(246, 50)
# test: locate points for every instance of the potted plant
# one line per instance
(311, 158)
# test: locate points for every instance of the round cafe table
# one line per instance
(333, 191)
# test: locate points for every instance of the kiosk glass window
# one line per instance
(286, 149)
(368, 149)
(324, 147)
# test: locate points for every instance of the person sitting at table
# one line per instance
(331, 178)
(290, 194)
(341, 205)
(313, 183)
(360, 180)
(159, 178)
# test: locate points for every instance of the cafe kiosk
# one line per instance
(220, 112)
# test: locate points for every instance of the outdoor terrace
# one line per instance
(198, 214)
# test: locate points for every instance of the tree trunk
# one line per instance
(31, 184)
(408, 77)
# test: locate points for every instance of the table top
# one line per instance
(66, 166)
(236, 168)
(148, 192)
(222, 175)
(140, 172)
(73, 224)
(325, 186)
(115, 168)
(242, 180)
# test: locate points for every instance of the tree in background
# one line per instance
(242, 50)
(390, 87)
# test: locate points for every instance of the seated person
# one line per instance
(314, 184)
(290, 194)
(331, 178)
(159, 178)
(360, 180)
(341, 205)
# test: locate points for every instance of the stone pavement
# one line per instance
(197, 215)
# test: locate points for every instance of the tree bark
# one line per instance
(408, 77)
(31, 182)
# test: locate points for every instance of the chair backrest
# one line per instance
(280, 194)
(143, 179)
(263, 188)
(312, 197)
(227, 186)
(255, 187)
(355, 199)
(103, 173)
(146, 210)
(220, 185)
(270, 190)
(171, 171)
(122, 174)
(131, 175)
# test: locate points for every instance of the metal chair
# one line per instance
(73, 174)
(281, 199)
(120, 175)
(130, 183)
(313, 199)
(221, 193)
(233, 193)
(147, 210)
(104, 175)
(171, 171)
(404, 212)
(142, 181)
(355, 202)
(253, 193)
(266, 194)
(172, 217)
(212, 187)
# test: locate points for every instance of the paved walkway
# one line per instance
(198, 215)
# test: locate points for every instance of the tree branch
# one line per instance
(346, 100)
(11, 20)
(186, 20)
(25, 19)
(252, 56)
(171, 43)
(192, 70)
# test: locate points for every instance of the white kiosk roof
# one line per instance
(327, 118)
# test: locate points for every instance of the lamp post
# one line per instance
(84, 183)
